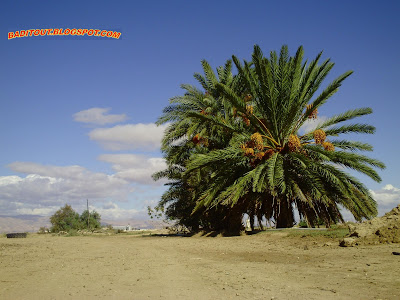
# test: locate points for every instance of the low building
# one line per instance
(123, 228)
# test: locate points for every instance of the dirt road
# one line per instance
(262, 266)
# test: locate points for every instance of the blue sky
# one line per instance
(77, 114)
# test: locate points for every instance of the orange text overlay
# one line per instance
(60, 31)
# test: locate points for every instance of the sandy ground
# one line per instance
(261, 266)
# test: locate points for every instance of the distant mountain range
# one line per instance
(22, 223)
(136, 223)
(32, 223)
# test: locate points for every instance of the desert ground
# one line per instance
(267, 265)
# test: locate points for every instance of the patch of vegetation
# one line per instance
(334, 232)
(66, 219)
(43, 230)
(72, 232)
(136, 232)
(303, 224)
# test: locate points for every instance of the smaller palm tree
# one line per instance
(198, 122)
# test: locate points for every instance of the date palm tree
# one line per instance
(197, 124)
(237, 147)
(268, 159)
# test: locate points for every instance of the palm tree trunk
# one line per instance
(252, 222)
(284, 214)
(259, 220)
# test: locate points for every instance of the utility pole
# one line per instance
(87, 204)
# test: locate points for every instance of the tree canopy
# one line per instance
(237, 146)
(66, 219)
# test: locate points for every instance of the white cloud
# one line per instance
(129, 137)
(48, 170)
(98, 116)
(8, 180)
(387, 198)
(111, 211)
(390, 187)
(134, 167)
(46, 187)
(311, 124)
(34, 211)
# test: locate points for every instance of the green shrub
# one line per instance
(330, 233)
(303, 224)
(43, 230)
(66, 219)
(73, 232)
